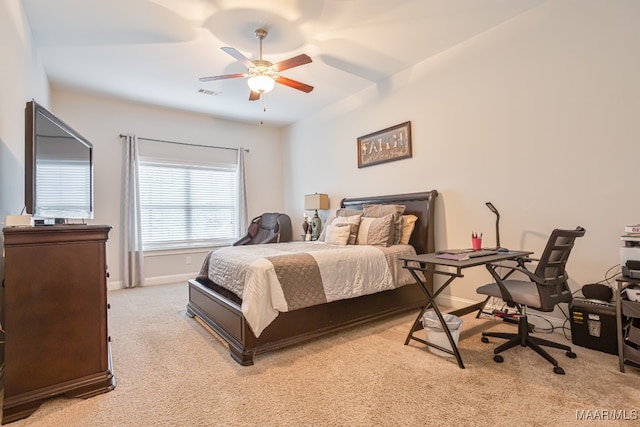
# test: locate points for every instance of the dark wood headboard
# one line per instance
(419, 204)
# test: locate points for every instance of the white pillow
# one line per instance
(338, 234)
(324, 227)
(408, 224)
(354, 219)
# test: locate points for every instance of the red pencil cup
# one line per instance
(476, 243)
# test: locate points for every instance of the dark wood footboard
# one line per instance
(225, 318)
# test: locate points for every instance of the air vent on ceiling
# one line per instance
(209, 92)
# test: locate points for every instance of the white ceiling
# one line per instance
(154, 51)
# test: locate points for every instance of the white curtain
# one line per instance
(133, 265)
(243, 214)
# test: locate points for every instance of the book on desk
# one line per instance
(464, 254)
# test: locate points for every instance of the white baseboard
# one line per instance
(158, 280)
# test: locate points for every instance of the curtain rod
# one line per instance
(186, 143)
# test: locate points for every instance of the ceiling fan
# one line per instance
(263, 75)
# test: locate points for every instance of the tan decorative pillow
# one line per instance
(353, 220)
(408, 224)
(338, 234)
(378, 211)
(376, 231)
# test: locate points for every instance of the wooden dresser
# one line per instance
(55, 315)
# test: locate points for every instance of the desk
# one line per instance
(430, 263)
(623, 282)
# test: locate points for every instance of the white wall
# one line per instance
(101, 120)
(21, 78)
(538, 115)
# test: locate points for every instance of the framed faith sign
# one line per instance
(386, 145)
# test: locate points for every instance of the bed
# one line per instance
(222, 310)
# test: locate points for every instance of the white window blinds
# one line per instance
(62, 187)
(186, 205)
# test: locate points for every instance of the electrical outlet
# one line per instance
(188, 260)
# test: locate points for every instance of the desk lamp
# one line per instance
(314, 202)
(495, 211)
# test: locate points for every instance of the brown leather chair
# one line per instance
(271, 227)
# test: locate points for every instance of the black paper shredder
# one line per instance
(593, 325)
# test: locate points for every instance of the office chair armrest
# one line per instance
(522, 264)
(536, 279)
(506, 295)
(504, 292)
(512, 269)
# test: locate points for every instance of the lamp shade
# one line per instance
(316, 201)
(261, 83)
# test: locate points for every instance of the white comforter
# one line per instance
(345, 271)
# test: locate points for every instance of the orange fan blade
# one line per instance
(254, 96)
(294, 84)
(292, 62)
(238, 56)
(226, 76)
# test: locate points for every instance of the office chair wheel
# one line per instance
(571, 355)
(498, 359)
(485, 340)
(558, 370)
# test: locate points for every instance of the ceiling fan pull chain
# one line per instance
(264, 107)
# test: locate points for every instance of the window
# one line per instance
(187, 205)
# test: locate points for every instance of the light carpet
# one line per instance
(170, 371)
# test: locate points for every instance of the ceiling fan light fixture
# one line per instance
(263, 75)
(261, 83)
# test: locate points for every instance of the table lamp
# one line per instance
(495, 211)
(313, 202)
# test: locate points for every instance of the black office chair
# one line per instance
(547, 286)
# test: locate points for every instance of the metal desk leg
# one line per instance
(414, 327)
(431, 304)
(619, 327)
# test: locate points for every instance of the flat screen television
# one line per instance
(58, 168)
